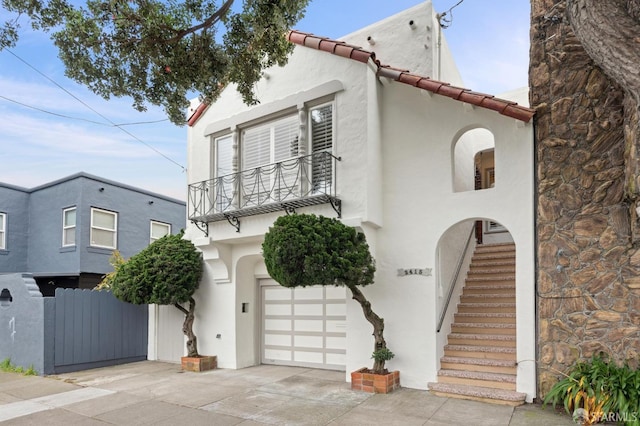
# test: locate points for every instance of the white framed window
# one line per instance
(104, 225)
(3, 231)
(158, 230)
(224, 167)
(321, 136)
(69, 227)
(266, 144)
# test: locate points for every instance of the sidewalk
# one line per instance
(159, 393)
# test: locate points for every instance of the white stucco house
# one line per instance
(389, 143)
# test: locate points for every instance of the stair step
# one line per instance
(478, 378)
(483, 328)
(493, 257)
(508, 318)
(481, 248)
(468, 339)
(506, 264)
(502, 366)
(483, 297)
(474, 280)
(486, 307)
(485, 270)
(478, 393)
(484, 352)
(491, 289)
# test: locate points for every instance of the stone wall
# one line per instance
(588, 286)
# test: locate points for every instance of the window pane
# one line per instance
(2, 216)
(159, 230)
(104, 219)
(69, 237)
(256, 150)
(70, 217)
(103, 238)
(322, 128)
(285, 138)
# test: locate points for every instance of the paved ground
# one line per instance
(159, 393)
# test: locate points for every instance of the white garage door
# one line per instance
(303, 327)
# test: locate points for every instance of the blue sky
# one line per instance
(489, 40)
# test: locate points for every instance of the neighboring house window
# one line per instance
(3, 231)
(69, 227)
(104, 225)
(159, 230)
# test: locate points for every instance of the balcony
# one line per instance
(286, 185)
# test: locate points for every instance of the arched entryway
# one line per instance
(477, 312)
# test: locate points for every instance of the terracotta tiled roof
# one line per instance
(340, 48)
(504, 107)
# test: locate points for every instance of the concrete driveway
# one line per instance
(157, 393)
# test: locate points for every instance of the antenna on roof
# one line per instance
(443, 20)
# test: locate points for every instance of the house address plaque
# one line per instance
(425, 272)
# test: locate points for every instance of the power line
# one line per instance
(442, 17)
(99, 123)
(96, 112)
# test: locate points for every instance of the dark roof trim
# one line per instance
(84, 175)
(502, 106)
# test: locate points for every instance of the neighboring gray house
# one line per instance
(65, 231)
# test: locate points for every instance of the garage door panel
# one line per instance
(308, 293)
(277, 293)
(277, 354)
(303, 326)
(336, 342)
(339, 293)
(277, 325)
(334, 326)
(308, 341)
(278, 340)
(277, 309)
(308, 309)
(336, 309)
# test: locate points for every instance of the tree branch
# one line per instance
(611, 36)
(210, 21)
(376, 322)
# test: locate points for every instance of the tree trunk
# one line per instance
(609, 31)
(376, 322)
(187, 327)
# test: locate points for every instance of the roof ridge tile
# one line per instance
(483, 100)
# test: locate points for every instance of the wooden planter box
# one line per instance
(199, 363)
(365, 381)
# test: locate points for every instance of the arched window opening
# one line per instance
(474, 166)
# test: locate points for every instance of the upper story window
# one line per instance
(69, 227)
(158, 230)
(104, 225)
(3, 231)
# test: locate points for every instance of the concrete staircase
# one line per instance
(479, 360)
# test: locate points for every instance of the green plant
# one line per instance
(304, 249)
(8, 367)
(167, 272)
(383, 354)
(599, 389)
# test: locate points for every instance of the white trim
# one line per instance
(114, 230)
(156, 222)
(289, 102)
(3, 231)
(66, 227)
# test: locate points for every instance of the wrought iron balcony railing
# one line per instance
(286, 185)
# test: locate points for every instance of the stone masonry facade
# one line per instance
(588, 285)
